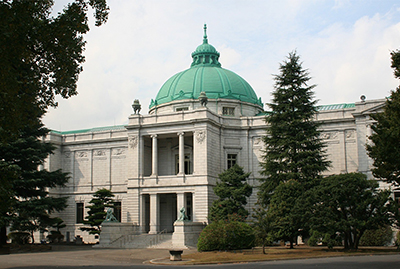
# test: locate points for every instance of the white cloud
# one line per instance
(146, 42)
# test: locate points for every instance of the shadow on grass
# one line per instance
(282, 253)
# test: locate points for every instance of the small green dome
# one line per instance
(206, 75)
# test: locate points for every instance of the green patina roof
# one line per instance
(320, 108)
(336, 106)
(92, 130)
(206, 75)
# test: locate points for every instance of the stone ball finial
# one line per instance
(136, 106)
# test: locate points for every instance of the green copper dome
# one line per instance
(206, 75)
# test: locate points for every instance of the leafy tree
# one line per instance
(348, 205)
(294, 150)
(233, 191)
(97, 213)
(41, 57)
(385, 147)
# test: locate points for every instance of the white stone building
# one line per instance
(171, 158)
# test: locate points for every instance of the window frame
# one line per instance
(181, 109)
(80, 212)
(228, 111)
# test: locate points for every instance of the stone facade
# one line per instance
(171, 157)
(161, 162)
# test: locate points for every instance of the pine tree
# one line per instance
(41, 57)
(385, 147)
(31, 202)
(294, 150)
(286, 212)
(97, 213)
(233, 191)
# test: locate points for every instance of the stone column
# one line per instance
(141, 156)
(180, 200)
(181, 153)
(154, 214)
(154, 156)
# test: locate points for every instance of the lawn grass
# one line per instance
(279, 253)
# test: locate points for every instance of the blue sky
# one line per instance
(345, 45)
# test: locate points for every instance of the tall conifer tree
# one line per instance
(294, 150)
(233, 191)
(385, 146)
(41, 57)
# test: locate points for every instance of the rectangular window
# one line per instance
(117, 211)
(228, 111)
(232, 159)
(182, 109)
(187, 164)
(79, 212)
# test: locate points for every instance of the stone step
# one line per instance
(163, 240)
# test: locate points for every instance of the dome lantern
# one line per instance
(205, 54)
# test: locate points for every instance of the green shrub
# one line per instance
(221, 235)
(20, 238)
(324, 239)
(380, 237)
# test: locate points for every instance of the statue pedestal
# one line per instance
(111, 231)
(186, 234)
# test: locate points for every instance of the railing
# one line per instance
(157, 238)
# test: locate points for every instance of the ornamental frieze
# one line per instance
(329, 135)
(133, 141)
(118, 151)
(82, 154)
(200, 136)
(99, 153)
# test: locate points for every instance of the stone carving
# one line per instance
(350, 134)
(200, 136)
(82, 154)
(329, 135)
(119, 151)
(99, 153)
(133, 141)
(67, 154)
(110, 216)
(182, 215)
(257, 141)
(325, 136)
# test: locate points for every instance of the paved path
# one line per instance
(67, 257)
(84, 256)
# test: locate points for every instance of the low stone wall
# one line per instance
(111, 231)
(186, 234)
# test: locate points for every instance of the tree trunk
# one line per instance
(346, 241)
(3, 235)
(33, 237)
(264, 248)
(291, 243)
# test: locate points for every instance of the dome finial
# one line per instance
(205, 40)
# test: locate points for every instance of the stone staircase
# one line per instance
(160, 240)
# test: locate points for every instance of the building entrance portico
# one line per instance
(167, 154)
(161, 210)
